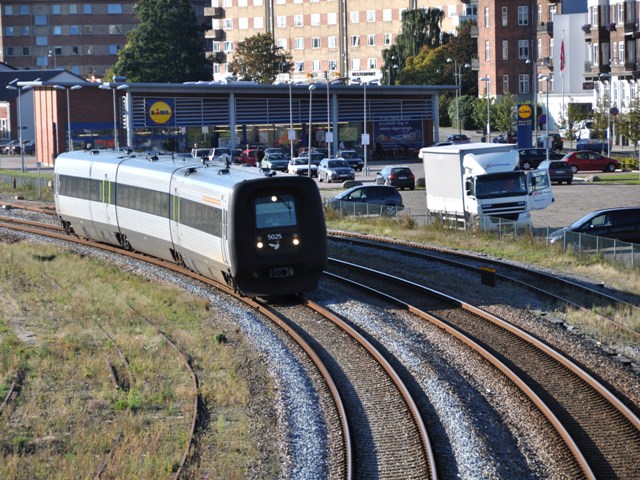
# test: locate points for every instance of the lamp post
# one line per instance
(488, 81)
(67, 88)
(365, 135)
(546, 123)
(329, 134)
(117, 81)
(535, 96)
(19, 89)
(312, 87)
(52, 54)
(608, 76)
(457, 77)
(292, 133)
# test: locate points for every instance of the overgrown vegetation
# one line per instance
(67, 328)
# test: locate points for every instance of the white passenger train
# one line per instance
(261, 234)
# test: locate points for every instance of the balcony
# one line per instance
(546, 28)
(475, 64)
(216, 35)
(218, 57)
(629, 28)
(473, 31)
(215, 12)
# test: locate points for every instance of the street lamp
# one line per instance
(117, 81)
(329, 134)
(52, 54)
(546, 123)
(457, 77)
(312, 87)
(365, 135)
(19, 89)
(292, 133)
(608, 76)
(67, 88)
(488, 80)
(535, 96)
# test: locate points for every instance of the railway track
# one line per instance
(597, 427)
(593, 300)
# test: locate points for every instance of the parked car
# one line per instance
(338, 169)
(220, 154)
(316, 157)
(593, 144)
(555, 141)
(532, 157)
(275, 161)
(235, 155)
(7, 148)
(368, 200)
(300, 166)
(352, 158)
(276, 150)
(559, 171)
(399, 177)
(619, 223)
(200, 153)
(30, 147)
(458, 138)
(506, 137)
(587, 160)
(248, 156)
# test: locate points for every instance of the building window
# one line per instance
(332, 42)
(114, 9)
(10, 52)
(26, 51)
(595, 57)
(281, 21)
(487, 50)
(257, 3)
(242, 3)
(228, 46)
(523, 49)
(371, 16)
(551, 47)
(115, 29)
(386, 15)
(25, 31)
(258, 23)
(505, 49)
(243, 23)
(354, 17)
(505, 84)
(114, 49)
(88, 50)
(355, 40)
(227, 3)
(299, 43)
(40, 20)
(372, 63)
(25, 10)
(74, 30)
(9, 31)
(87, 9)
(315, 19)
(297, 21)
(299, 66)
(386, 38)
(333, 65)
(505, 16)
(75, 70)
(88, 29)
(355, 64)
(371, 39)
(523, 15)
(552, 12)
(42, 41)
(282, 43)
(315, 42)
(332, 18)
(621, 52)
(315, 65)
(41, 61)
(486, 17)
(73, 9)
(523, 83)
(227, 24)
(75, 50)
(8, 10)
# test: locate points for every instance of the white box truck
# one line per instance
(480, 183)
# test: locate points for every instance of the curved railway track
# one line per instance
(390, 439)
(579, 295)
(599, 429)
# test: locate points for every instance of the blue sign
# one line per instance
(525, 126)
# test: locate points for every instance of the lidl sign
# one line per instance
(524, 111)
(159, 112)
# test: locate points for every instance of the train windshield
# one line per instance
(275, 211)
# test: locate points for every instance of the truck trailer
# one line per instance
(481, 184)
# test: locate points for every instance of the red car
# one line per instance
(588, 160)
(248, 156)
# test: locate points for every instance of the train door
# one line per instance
(224, 232)
(102, 204)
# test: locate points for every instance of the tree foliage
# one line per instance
(258, 59)
(503, 115)
(629, 125)
(420, 28)
(167, 45)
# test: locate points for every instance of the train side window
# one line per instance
(275, 211)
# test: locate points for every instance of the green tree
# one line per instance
(258, 58)
(630, 123)
(167, 45)
(420, 28)
(503, 116)
(426, 68)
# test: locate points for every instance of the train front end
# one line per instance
(277, 236)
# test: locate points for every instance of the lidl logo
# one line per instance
(524, 111)
(160, 112)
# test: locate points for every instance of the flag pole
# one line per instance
(562, 75)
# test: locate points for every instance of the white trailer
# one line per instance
(481, 183)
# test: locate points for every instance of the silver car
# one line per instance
(338, 169)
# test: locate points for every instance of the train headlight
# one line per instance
(259, 243)
(296, 240)
(274, 198)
